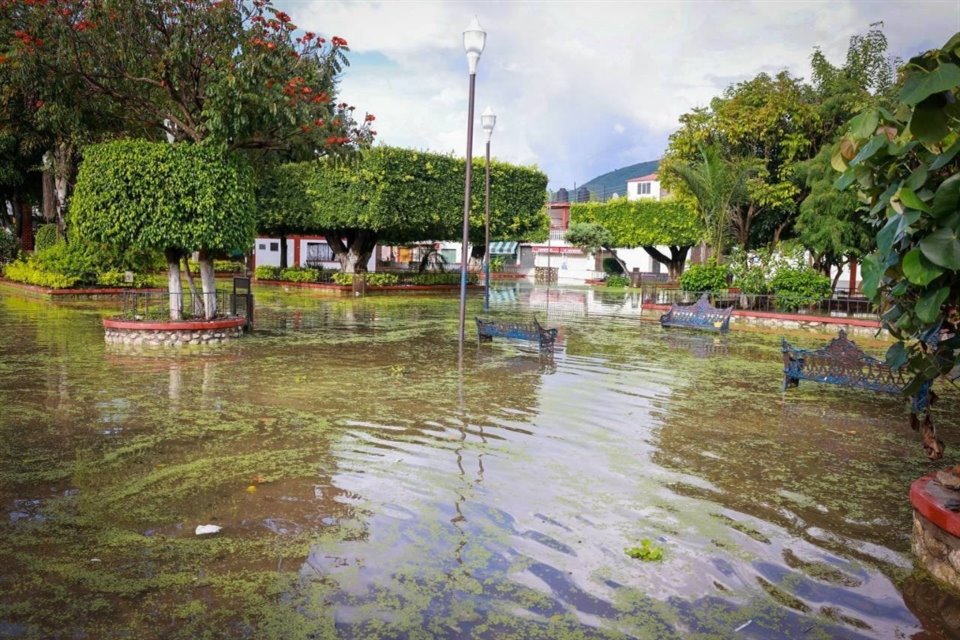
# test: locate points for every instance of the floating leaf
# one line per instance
(647, 551)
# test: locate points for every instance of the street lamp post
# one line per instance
(487, 120)
(473, 40)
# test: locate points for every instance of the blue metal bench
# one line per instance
(843, 363)
(487, 330)
(701, 315)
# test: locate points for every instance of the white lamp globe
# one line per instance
(474, 38)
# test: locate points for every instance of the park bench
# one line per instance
(487, 330)
(843, 363)
(700, 315)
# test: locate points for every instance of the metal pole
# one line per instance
(464, 258)
(486, 251)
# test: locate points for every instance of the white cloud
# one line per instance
(584, 87)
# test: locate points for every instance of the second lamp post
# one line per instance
(474, 39)
(487, 120)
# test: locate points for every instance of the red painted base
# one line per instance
(186, 325)
(928, 498)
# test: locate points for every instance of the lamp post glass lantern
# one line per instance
(474, 39)
(488, 121)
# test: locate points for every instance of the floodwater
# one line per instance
(368, 487)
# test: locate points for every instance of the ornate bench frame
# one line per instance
(487, 330)
(843, 363)
(700, 315)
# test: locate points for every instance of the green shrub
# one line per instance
(28, 271)
(436, 279)
(47, 235)
(705, 277)
(228, 266)
(9, 247)
(611, 266)
(382, 279)
(752, 273)
(75, 260)
(497, 263)
(265, 272)
(343, 279)
(798, 287)
(298, 274)
(618, 282)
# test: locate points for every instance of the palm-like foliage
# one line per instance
(718, 184)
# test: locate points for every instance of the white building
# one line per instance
(644, 187)
(302, 251)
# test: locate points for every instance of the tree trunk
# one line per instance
(49, 196)
(196, 303)
(352, 248)
(209, 285)
(674, 263)
(64, 169)
(283, 252)
(26, 225)
(174, 286)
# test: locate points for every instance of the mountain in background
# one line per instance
(615, 181)
(604, 186)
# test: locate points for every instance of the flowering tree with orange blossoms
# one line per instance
(236, 73)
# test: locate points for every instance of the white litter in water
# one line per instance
(743, 626)
(204, 529)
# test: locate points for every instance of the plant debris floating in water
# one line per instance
(647, 551)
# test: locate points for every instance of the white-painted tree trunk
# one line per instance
(174, 285)
(63, 169)
(209, 285)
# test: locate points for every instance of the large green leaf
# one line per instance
(918, 269)
(844, 181)
(942, 247)
(928, 307)
(888, 234)
(921, 85)
(909, 198)
(947, 199)
(864, 125)
(929, 123)
(946, 156)
(872, 272)
(873, 145)
(897, 355)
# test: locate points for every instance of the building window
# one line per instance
(449, 255)
(263, 247)
(274, 246)
(318, 252)
(643, 188)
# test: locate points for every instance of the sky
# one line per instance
(582, 87)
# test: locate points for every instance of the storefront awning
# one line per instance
(503, 248)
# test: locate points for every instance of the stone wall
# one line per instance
(813, 325)
(172, 338)
(937, 550)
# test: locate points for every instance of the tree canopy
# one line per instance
(639, 223)
(387, 194)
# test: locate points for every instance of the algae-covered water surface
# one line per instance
(369, 486)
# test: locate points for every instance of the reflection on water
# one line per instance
(368, 488)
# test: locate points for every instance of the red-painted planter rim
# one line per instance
(931, 509)
(187, 325)
(101, 291)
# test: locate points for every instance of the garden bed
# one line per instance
(91, 293)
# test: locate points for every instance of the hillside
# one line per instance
(606, 185)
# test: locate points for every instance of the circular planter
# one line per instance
(172, 334)
(936, 529)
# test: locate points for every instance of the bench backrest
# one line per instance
(701, 314)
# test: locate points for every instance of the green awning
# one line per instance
(503, 248)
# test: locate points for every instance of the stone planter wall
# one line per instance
(172, 334)
(936, 530)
